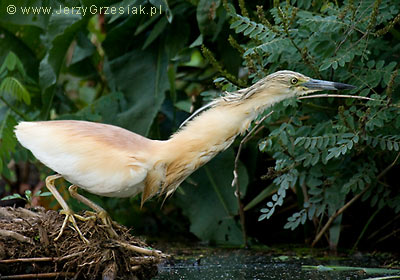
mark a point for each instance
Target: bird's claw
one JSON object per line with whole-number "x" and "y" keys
{"x": 70, "y": 217}
{"x": 108, "y": 222}
{"x": 105, "y": 219}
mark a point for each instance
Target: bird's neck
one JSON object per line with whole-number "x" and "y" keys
{"x": 217, "y": 127}
{"x": 204, "y": 137}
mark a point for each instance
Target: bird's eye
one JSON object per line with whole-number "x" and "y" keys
{"x": 293, "y": 81}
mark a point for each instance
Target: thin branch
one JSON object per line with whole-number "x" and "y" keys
{"x": 380, "y": 175}
{"x": 341, "y": 210}
{"x": 339, "y": 95}
{"x": 143, "y": 260}
{"x": 15, "y": 110}
{"x": 334, "y": 216}
{"x": 41, "y": 259}
{"x": 39, "y": 275}
{"x": 16, "y": 236}
{"x": 235, "y": 181}
{"x": 371, "y": 236}
{"x": 140, "y": 250}
{"x": 395, "y": 232}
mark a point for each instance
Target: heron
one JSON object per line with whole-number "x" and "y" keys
{"x": 110, "y": 161}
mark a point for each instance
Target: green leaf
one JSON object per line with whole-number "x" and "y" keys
{"x": 268, "y": 191}
{"x": 325, "y": 65}
{"x": 299, "y": 141}
{"x": 197, "y": 42}
{"x": 315, "y": 159}
{"x": 8, "y": 141}
{"x": 212, "y": 213}
{"x": 155, "y": 32}
{"x": 242, "y": 27}
{"x": 10, "y": 62}
{"x": 14, "y": 87}
{"x": 142, "y": 77}
{"x": 83, "y": 49}
{"x": 307, "y": 143}
{"x": 61, "y": 31}
{"x": 235, "y": 24}
{"x": 284, "y": 138}
{"x": 45, "y": 194}
{"x": 13, "y": 196}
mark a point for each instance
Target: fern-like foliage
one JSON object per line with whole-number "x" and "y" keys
{"x": 9, "y": 83}
{"x": 7, "y": 139}
{"x": 12, "y": 86}
{"x": 13, "y": 94}
{"x": 329, "y": 148}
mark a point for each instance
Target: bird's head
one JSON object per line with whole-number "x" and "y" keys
{"x": 288, "y": 84}
{"x": 271, "y": 89}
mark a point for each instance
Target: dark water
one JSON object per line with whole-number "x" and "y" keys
{"x": 243, "y": 265}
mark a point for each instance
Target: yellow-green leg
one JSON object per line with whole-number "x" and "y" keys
{"x": 69, "y": 214}
{"x": 100, "y": 212}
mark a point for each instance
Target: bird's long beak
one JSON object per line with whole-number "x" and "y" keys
{"x": 315, "y": 85}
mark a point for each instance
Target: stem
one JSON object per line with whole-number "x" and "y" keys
{"x": 383, "y": 227}
{"x": 235, "y": 181}
{"x": 41, "y": 259}
{"x": 364, "y": 229}
{"x": 40, "y": 275}
{"x": 334, "y": 216}
{"x": 15, "y": 110}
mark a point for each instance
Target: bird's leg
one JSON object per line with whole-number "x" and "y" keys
{"x": 69, "y": 214}
{"x": 100, "y": 212}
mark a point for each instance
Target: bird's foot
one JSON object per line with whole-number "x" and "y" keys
{"x": 105, "y": 219}
{"x": 70, "y": 217}
{"x": 108, "y": 223}
{"x": 92, "y": 216}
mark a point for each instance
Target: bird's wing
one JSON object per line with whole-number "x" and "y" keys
{"x": 102, "y": 159}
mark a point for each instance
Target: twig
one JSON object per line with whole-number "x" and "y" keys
{"x": 143, "y": 260}
{"x": 334, "y": 216}
{"x": 395, "y": 232}
{"x": 383, "y": 227}
{"x": 338, "y": 95}
{"x": 380, "y": 175}
{"x": 39, "y": 275}
{"x": 135, "y": 267}
{"x": 235, "y": 181}
{"x": 16, "y": 111}
{"x": 16, "y": 236}
{"x": 41, "y": 259}
{"x": 140, "y": 250}
{"x": 302, "y": 118}
{"x": 341, "y": 210}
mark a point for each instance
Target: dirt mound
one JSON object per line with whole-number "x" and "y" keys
{"x": 28, "y": 249}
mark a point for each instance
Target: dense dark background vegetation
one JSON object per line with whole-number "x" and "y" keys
{"x": 324, "y": 167}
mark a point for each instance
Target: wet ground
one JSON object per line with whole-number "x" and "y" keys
{"x": 250, "y": 264}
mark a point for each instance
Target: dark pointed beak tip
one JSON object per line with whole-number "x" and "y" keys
{"x": 340, "y": 86}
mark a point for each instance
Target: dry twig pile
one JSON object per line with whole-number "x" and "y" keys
{"x": 28, "y": 249}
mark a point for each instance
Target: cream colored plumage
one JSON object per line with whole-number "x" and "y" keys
{"x": 111, "y": 161}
